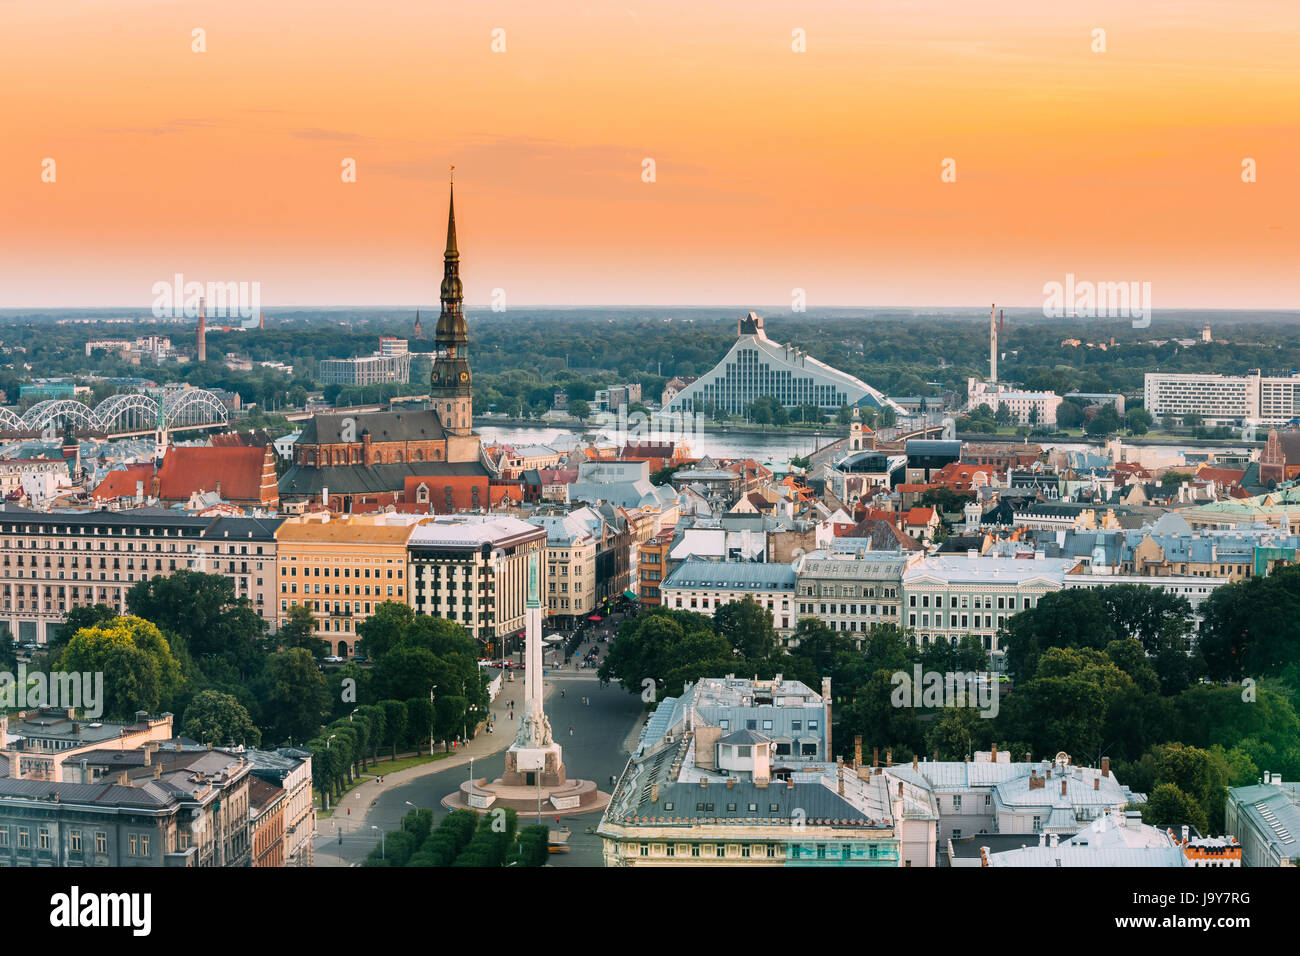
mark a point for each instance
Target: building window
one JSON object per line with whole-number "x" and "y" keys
{"x": 101, "y": 842}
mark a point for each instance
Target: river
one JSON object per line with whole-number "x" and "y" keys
{"x": 774, "y": 449}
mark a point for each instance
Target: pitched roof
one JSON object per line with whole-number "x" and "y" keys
{"x": 238, "y": 471}
{"x": 917, "y": 516}
{"x": 358, "y": 479}
{"x": 883, "y": 536}
{"x": 383, "y": 426}
{"x": 121, "y": 483}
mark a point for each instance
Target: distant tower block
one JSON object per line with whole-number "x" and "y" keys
{"x": 203, "y": 333}
{"x": 993, "y": 343}
{"x": 1205, "y": 333}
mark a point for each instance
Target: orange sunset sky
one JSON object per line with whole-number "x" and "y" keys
{"x": 774, "y": 169}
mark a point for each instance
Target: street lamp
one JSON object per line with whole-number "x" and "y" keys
{"x": 382, "y": 851}
{"x": 433, "y": 716}
{"x": 328, "y": 739}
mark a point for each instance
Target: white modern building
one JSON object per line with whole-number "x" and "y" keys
{"x": 368, "y": 370}
{"x": 757, "y": 366}
{"x": 1224, "y": 399}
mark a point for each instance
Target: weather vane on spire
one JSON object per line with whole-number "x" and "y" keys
{"x": 452, "y": 174}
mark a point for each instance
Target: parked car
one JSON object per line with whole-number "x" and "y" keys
{"x": 332, "y": 659}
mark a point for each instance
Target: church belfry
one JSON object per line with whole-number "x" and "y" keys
{"x": 451, "y": 392}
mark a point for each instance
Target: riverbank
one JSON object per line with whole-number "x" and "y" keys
{"x": 829, "y": 430}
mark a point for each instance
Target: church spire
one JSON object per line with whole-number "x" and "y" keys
{"x": 451, "y": 252}
{"x": 451, "y": 331}
{"x": 450, "y": 382}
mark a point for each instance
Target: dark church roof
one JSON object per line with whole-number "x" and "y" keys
{"x": 383, "y": 426}
{"x": 305, "y": 480}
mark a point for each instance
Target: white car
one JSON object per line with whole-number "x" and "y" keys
{"x": 333, "y": 660}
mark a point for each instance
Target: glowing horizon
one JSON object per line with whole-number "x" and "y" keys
{"x": 775, "y": 170}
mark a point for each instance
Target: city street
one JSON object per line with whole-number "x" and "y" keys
{"x": 594, "y": 751}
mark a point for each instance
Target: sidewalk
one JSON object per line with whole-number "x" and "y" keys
{"x": 361, "y": 798}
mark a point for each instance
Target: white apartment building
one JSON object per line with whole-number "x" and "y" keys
{"x": 1026, "y": 408}
{"x": 851, "y": 591}
{"x": 704, "y": 586}
{"x": 948, "y": 596}
{"x": 1224, "y": 399}
{"x": 368, "y": 370}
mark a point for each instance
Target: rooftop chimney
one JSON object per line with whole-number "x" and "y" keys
{"x": 994, "y": 752}
{"x": 1105, "y": 766}
{"x": 1063, "y": 786}
{"x": 654, "y": 793}
{"x": 900, "y": 789}
{"x": 875, "y": 756}
{"x": 889, "y": 757}
{"x": 1096, "y": 783}
{"x": 857, "y": 750}
{"x": 731, "y": 783}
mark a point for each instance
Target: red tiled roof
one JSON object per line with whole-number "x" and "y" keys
{"x": 462, "y": 492}
{"x": 121, "y": 483}
{"x": 917, "y": 516}
{"x": 557, "y": 476}
{"x": 238, "y": 471}
{"x": 1222, "y": 476}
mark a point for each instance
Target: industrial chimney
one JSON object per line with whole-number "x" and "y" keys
{"x": 203, "y": 338}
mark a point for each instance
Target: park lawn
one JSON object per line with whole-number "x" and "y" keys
{"x": 383, "y": 767}
{"x": 403, "y": 763}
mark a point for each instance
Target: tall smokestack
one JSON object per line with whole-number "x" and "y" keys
{"x": 993, "y": 343}
{"x": 261, "y": 321}
{"x": 203, "y": 335}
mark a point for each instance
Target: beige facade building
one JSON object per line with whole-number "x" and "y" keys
{"x": 343, "y": 569}
{"x": 39, "y": 744}
{"x": 570, "y": 587}
{"x": 51, "y": 563}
